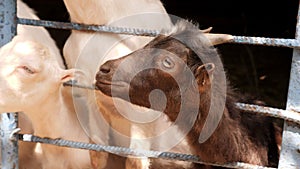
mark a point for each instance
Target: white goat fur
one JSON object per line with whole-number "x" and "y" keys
{"x": 31, "y": 77}
{"x": 87, "y": 51}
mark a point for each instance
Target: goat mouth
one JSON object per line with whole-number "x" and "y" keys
{"x": 102, "y": 83}
{"x": 112, "y": 88}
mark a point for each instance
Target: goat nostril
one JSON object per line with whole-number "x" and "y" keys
{"x": 105, "y": 69}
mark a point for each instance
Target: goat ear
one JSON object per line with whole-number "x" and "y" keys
{"x": 203, "y": 76}
{"x": 216, "y": 39}
{"x": 207, "y": 30}
{"x": 72, "y": 74}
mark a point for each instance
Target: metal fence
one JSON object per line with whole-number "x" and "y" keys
{"x": 290, "y": 151}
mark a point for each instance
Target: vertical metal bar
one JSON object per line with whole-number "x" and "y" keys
{"x": 290, "y": 151}
{"x": 9, "y": 146}
{"x": 8, "y": 123}
{"x": 8, "y": 21}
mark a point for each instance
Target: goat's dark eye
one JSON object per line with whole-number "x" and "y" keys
{"x": 168, "y": 63}
{"x": 28, "y": 70}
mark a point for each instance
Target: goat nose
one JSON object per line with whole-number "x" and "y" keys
{"x": 104, "y": 69}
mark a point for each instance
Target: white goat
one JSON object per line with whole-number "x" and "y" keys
{"x": 37, "y": 34}
{"x": 87, "y": 51}
{"x": 31, "y": 82}
{"x": 31, "y": 77}
{"x": 148, "y": 14}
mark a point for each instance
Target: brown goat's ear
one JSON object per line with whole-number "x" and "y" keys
{"x": 203, "y": 75}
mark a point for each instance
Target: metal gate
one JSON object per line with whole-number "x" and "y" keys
{"x": 290, "y": 152}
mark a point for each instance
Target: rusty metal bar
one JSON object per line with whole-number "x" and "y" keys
{"x": 83, "y": 27}
{"x": 134, "y": 152}
{"x": 272, "y": 112}
{"x": 279, "y": 42}
{"x": 8, "y": 123}
{"x": 9, "y": 143}
{"x": 291, "y": 116}
{"x": 7, "y": 21}
{"x": 72, "y": 83}
{"x": 290, "y": 151}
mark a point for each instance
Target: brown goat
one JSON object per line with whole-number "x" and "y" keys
{"x": 163, "y": 65}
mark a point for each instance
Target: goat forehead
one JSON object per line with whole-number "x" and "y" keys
{"x": 164, "y": 41}
{"x": 24, "y": 48}
{"x": 34, "y": 54}
{"x": 170, "y": 44}
{"x": 30, "y": 49}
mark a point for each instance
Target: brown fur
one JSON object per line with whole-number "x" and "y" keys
{"x": 239, "y": 137}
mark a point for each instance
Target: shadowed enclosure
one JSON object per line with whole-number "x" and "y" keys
{"x": 262, "y": 72}
{"x": 258, "y": 72}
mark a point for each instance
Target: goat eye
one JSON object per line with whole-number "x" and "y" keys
{"x": 168, "y": 63}
{"x": 28, "y": 70}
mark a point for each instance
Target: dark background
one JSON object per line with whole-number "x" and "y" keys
{"x": 260, "y": 71}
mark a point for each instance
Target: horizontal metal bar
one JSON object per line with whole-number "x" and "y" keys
{"x": 267, "y": 111}
{"x": 83, "y": 27}
{"x": 132, "y": 152}
{"x": 278, "y": 42}
{"x": 272, "y": 112}
{"x": 73, "y": 83}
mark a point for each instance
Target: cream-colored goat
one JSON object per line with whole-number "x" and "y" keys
{"x": 88, "y": 50}
{"x": 31, "y": 77}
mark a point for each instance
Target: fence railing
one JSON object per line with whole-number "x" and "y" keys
{"x": 8, "y": 123}
{"x": 290, "y": 152}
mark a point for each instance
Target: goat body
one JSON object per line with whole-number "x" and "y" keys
{"x": 32, "y": 74}
{"x": 200, "y": 100}
{"x": 87, "y": 51}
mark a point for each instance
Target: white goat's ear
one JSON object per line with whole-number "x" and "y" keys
{"x": 72, "y": 74}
